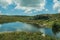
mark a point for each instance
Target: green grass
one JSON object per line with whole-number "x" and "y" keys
{"x": 24, "y": 36}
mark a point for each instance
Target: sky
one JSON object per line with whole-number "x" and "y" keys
{"x": 29, "y": 7}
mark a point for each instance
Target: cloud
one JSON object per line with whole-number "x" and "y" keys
{"x": 5, "y": 3}
{"x": 31, "y": 3}
{"x": 56, "y": 5}
{"x": 59, "y": 11}
{"x": 27, "y": 5}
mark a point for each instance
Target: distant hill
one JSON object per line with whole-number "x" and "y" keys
{"x": 47, "y": 17}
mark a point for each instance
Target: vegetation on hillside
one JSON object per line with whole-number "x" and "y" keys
{"x": 46, "y": 19}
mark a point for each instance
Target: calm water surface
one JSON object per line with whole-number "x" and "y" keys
{"x": 19, "y": 26}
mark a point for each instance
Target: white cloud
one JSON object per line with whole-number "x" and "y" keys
{"x": 5, "y": 3}
{"x": 54, "y": 0}
{"x": 26, "y": 5}
{"x": 9, "y": 1}
{"x": 29, "y": 8}
{"x": 28, "y": 11}
{"x": 56, "y": 5}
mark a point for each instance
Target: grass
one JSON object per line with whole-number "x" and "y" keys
{"x": 24, "y": 36}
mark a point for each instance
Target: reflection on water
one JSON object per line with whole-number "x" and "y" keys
{"x": 58, "y": 35}
{"x": 46, "y": 31}
{"x": 19, "y": 26}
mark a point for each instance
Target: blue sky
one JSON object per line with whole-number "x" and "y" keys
{"x": 29, "y": 7}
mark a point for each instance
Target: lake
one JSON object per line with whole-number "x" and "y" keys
{"x": 19, "y": 26}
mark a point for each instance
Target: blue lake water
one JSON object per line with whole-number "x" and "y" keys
{"x": 19, "y": 26}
